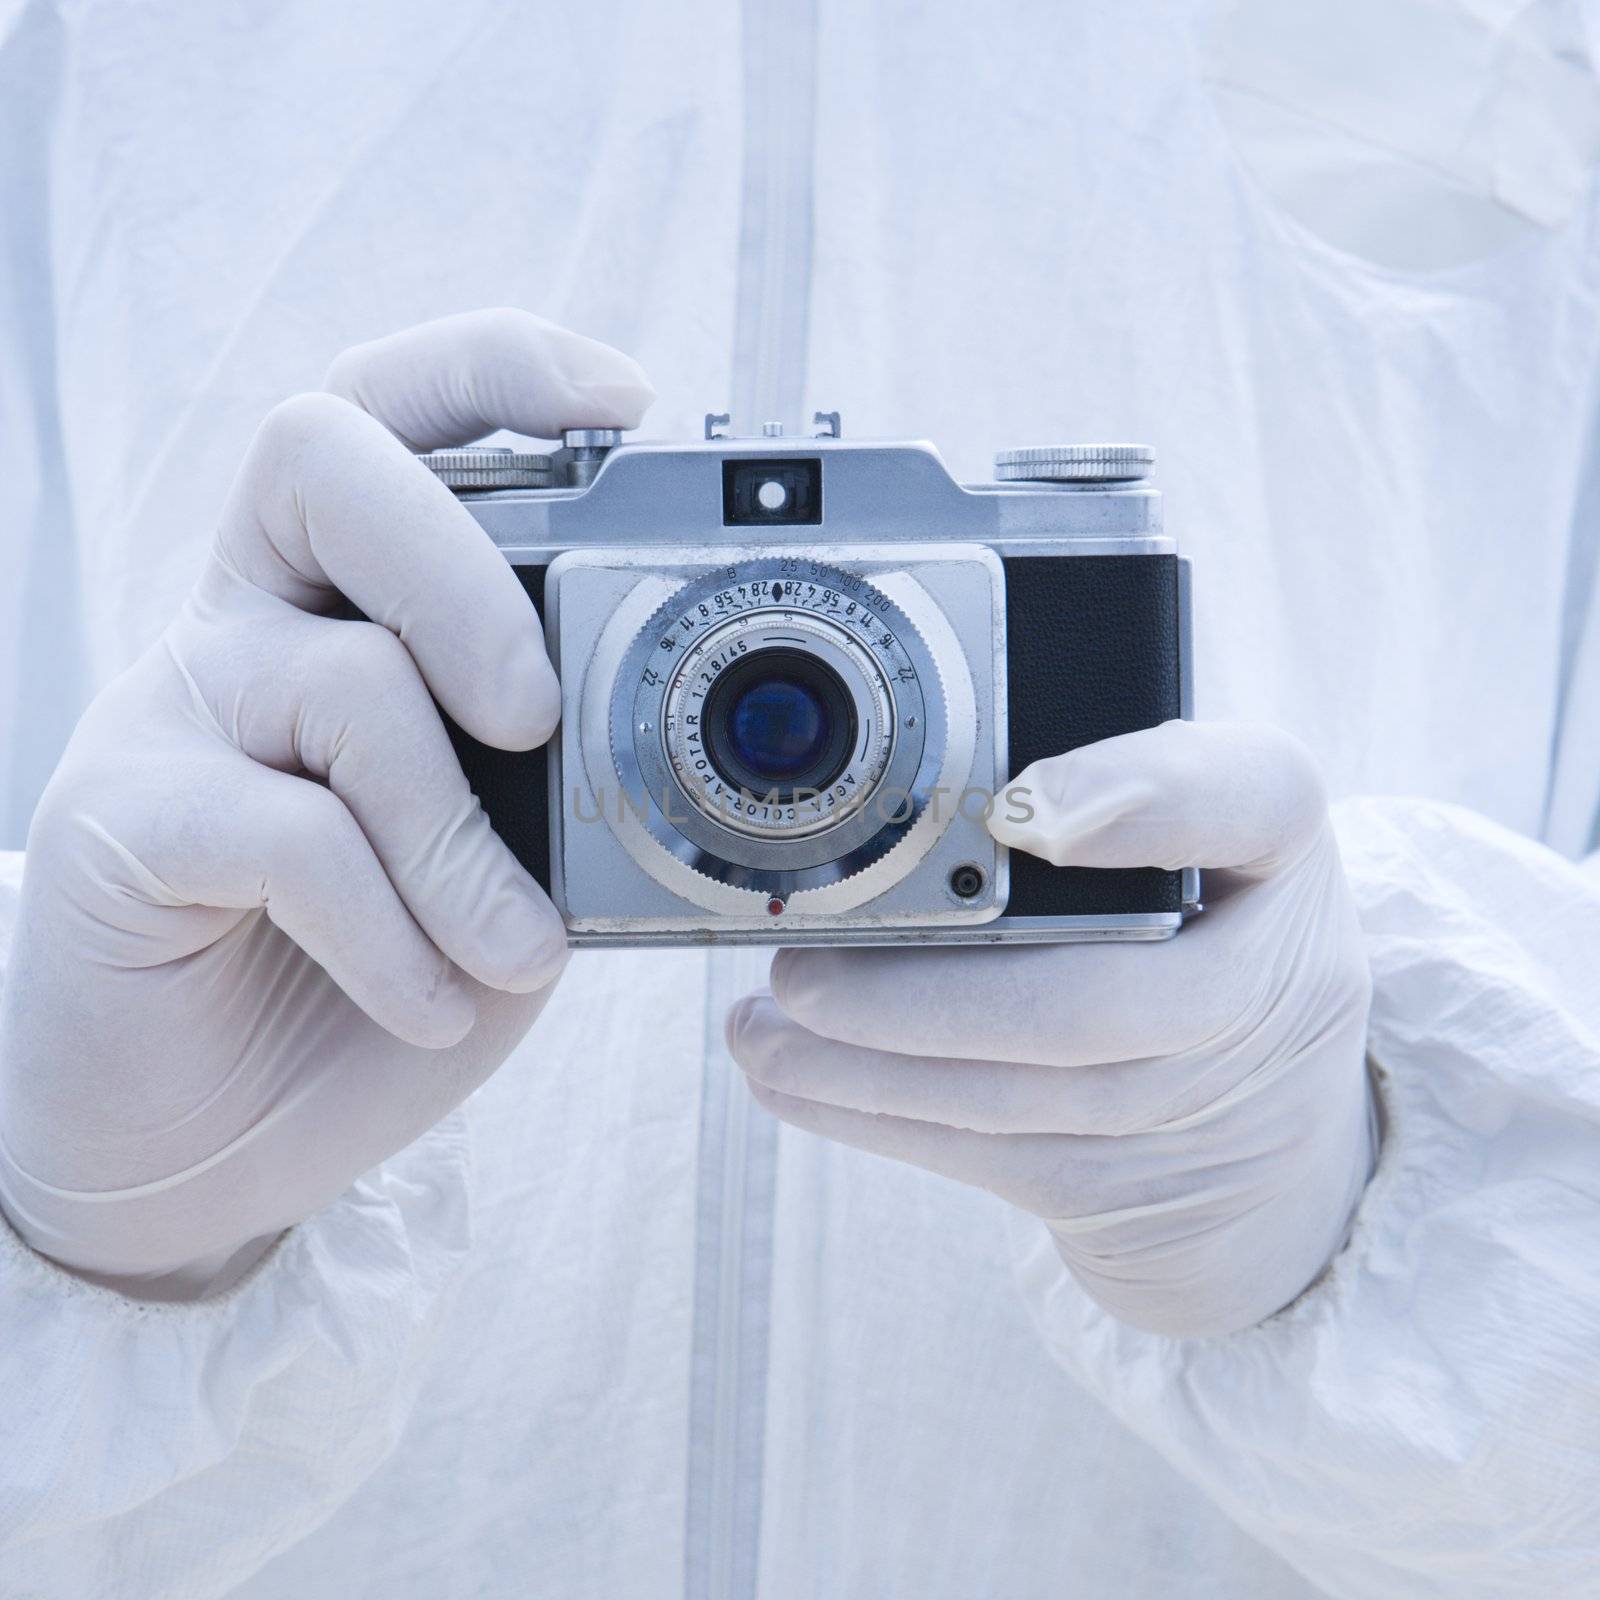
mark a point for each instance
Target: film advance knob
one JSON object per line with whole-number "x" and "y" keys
{"x": 478, "y": 467}
{"x": 1075, "y": 463}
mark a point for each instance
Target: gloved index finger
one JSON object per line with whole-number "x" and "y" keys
{"x": 328, "y": 500}
{"x": 1046, "y": 1005}
{"x": 1184, "y": 794}
{"x": 456, "y": 379}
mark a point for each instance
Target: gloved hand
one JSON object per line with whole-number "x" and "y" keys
{"x": 267, "y": 937}
{"x": 1192, "y": 1119}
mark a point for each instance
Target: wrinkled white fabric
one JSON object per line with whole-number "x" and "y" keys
{"x": 1461, "y": 1324}
{"x": 305, "y": 1370}
{"x": 1379, "y": 473}
{"x": 267, "y": 936}
{"x": 1412, "y": 133}
{"x": 1191, "y": 1121}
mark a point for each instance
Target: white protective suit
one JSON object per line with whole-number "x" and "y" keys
{"x": 608, "y": 1330}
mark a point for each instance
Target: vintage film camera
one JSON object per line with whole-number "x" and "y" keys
{"x": 796, "y": 672}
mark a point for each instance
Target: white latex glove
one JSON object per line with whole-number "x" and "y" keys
{"x": 1192, "y": 1118}
{"x": 267, "y": 936}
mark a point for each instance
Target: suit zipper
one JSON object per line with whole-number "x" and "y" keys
{"x": 738, "y": 1142}
{"x": 733, "y": 1272}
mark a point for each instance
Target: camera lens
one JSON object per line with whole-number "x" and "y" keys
{"x": 778, "y": 723}
{"x": 778, "y": 727}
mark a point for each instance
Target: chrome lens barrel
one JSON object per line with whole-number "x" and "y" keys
{"x": 802, "y": 624}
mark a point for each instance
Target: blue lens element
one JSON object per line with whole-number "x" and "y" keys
{"x": 778, "y": 728}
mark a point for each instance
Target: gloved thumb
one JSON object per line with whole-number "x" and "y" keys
{"x": 1184, "y": 794}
